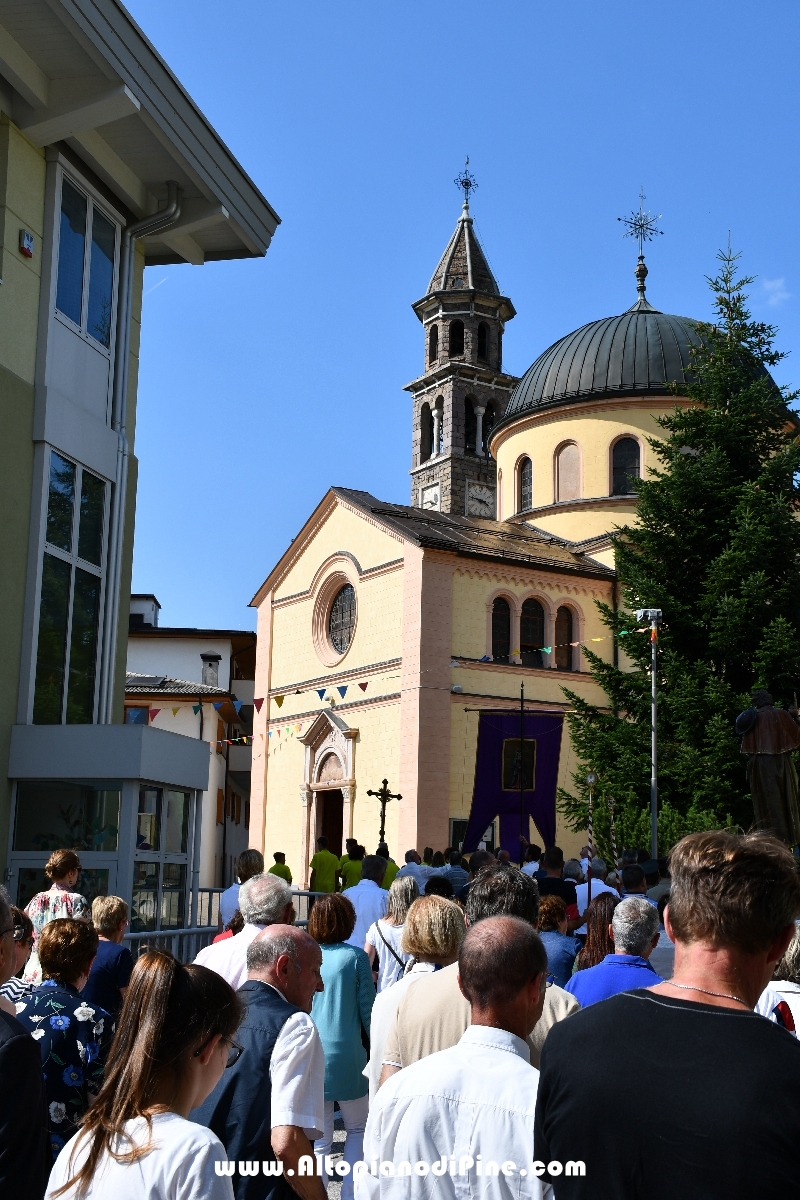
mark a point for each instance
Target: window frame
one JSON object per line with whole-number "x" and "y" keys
{"x": 93, "y": 201}
{"x": 75, "y": 562}
{"x": 521, "y": 506}
{"x": 627, "y": 436}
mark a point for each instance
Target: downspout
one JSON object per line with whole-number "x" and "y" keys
{"x": 198, "y": 822}
{"x": 119, "y": 415}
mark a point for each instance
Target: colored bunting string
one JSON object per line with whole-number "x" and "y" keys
{"x": 321, "y": 692}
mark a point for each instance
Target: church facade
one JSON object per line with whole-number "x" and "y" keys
{"x": 386, "y": 631}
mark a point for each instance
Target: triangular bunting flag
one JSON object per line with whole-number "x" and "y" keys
{"x": 237, "y": 704}
{"x": 269, "y": 732}
{"x": 175, "y": 711}
{"x": 547, "y": 649}
{"x": 342, "y": 691}
{"x": 321, "y": 693}
{"x": 153, "y": 713}
{"x": 196, "y": 708}
{"x": 278, "y": 700}
{"x": 219, "y": 703}
{"x": 364, "y": 686}
{"x": 258, "y": 702}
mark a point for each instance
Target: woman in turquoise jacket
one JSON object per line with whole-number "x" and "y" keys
{"x": 342, "y": 1015}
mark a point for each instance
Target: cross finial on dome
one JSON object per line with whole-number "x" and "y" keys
{"x": 642, "y": 226}
{"x": 466, "y": 182}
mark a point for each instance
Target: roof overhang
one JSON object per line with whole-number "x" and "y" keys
{"x": 82, "y": 74}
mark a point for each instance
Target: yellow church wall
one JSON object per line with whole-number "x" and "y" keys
{"x": 343, "y": 530}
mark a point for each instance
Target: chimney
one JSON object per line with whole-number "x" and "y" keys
{"x": 211, "y": 669}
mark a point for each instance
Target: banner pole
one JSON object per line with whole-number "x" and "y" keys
{"x": 522, "y": 831}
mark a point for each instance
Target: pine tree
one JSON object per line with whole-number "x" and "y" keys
{"x": 716, "y": 546}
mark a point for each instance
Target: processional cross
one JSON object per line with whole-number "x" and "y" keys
{"x": 384, "y": 795}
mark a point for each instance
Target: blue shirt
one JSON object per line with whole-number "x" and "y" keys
{"x": 111, "y": 970}
{"x": 616, "y": 973}
{"x": 561, "y": 951}
{"x": 339, "y": 1013}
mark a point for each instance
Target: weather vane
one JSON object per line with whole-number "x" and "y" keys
{"x": 466, "y": 182}
{"x": 641, "y": 225}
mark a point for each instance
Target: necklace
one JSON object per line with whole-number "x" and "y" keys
{"x": 690, "y": 987}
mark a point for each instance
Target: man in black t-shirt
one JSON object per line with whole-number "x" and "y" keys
{"x": 725, "y": 1119}
{"x": 553, "y": 885}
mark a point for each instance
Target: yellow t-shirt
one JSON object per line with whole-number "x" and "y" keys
{"x": 350, "y": 871}
{"x": 391, "y": 870}
{"x": 282, "y": 870}
{"x": 325, "y": 865}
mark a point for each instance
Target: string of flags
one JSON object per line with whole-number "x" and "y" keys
{"x": 560, "y": 645}
{"x": 321, "y": 692}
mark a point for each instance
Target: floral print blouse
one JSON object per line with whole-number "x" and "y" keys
{"x": 73, "y": 1039}
{"x": 51, "y": 906}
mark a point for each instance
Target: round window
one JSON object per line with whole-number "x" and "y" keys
{"x": 343, "y": 618}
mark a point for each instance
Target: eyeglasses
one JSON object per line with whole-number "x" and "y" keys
{"x": 19, "y": 933}
{"x": 234, "y": 1053}
{"x": 3, "y": 932}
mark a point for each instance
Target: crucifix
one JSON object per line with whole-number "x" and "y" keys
{"x": 384, "y": 795}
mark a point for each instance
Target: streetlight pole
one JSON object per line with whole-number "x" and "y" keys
{"x": 653, "y": 615}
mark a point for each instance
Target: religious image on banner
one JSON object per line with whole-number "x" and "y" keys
{"x": 511, "y": 765}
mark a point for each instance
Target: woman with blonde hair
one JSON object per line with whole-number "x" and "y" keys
{"x": 432, "y": 936}
{"x": 63, "y": 868}
{"x": 174, "y": 1040}
{"x": 385, "y": 935}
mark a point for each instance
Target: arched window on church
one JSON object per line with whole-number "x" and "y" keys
{"x": 456, "y": 341}
{"x": 433, "y": 344}
{"x": 531, "y": 634}
{"x": 568, "y": 472}
{"x": 342, "y": 619}
{"x": 425, "y": 432}
{"x": 501, "y": 630}
{"x": 483, "y": 341}
{"x": 499, "y": 349}
{"x": 625, "y": 467}
{"x": 489, "y": 418}
{"x": 563, "y": 636}
{"x": 470, "y": 426}
{"x": 525, "y": 498}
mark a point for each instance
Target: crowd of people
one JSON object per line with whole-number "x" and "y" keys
{"x": 492, "y": 1038}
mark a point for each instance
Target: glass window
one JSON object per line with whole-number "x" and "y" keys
{"x": 177, "y": 824}
{"x": 343, "y": 618}
{"x": 83, "y": 648}
{"x": 173, "y": 896}
{"x": 525, "y": 485}
{"x": 148, "y": 825}
{"x": 71, "y": 252}
{"x": 501, "y": 630}
{"x": 53, "y": 814}
{"x": 531, "y": 634}
{"x": 563, "y": 649}
{"x": 52, "y": 646}
{"x": 92, "y": 881}
{"x": 90, "y": 530}
{"x": 136, "y": 716}
{"x": 144, "y": 898}
{"x": 60, "y": 502}
{"x": 625, "y": 467}
{"x": 101, "y": 278}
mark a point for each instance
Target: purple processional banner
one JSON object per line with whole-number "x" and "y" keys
{"x": 497, "y": 777}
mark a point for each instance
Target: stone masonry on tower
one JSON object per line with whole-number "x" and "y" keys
{"x": 463, "y": 391}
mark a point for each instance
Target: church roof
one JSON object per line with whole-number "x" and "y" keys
{"x": 474, "y": 537}
{"x": 641, "y": 352}
{"x": 463, "y": 266}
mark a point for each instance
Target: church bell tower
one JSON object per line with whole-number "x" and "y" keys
{"x": 463, "y": 390}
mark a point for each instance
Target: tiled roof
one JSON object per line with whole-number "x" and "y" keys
{"x": 463, "y": 266}
{"x": 137, "y": 684}
{"x": 477, "y": 538}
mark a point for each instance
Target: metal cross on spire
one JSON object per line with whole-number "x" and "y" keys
{"x": 466, "y": 182}
{"x": 641, "y": 225}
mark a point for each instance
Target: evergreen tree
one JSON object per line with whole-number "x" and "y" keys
{"x": 716, "y": 546}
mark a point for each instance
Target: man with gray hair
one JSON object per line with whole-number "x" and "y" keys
{"x": 24, "y": 1142}
{"x": 634, "y": 932}
{"x": 269, "y": 1105}
{"x": 263, "y": 900}
{"x": 368, "y": 898}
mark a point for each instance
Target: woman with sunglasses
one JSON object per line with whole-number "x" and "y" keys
{"x": 173, "y": 1043}
{"x": 15, "y": 990}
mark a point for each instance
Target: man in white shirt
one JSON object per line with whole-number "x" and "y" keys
{"x": 466, "y": 1113}
{"x": 368, "y": 898}
{"x": 269, "y": 1105}
{"x": 598, "y": 871}
{"x": 264, "y": 900}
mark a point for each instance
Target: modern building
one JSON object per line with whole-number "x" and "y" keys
{"x": 199, "y": 683}
{"x": 393, "y": 641}
{"x": 106, "y": 166}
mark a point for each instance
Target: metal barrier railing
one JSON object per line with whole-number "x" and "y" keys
{"x": 185, "y": 944}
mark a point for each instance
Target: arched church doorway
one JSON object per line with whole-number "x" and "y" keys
{"x": 330, "y": 819}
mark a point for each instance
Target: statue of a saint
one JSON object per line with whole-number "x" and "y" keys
{"x": 769, "y": 735}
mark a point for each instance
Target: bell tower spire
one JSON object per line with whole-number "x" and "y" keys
{"x": 463, "y": 390}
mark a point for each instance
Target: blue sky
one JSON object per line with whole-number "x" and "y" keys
{"x": 263, "y": 382}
